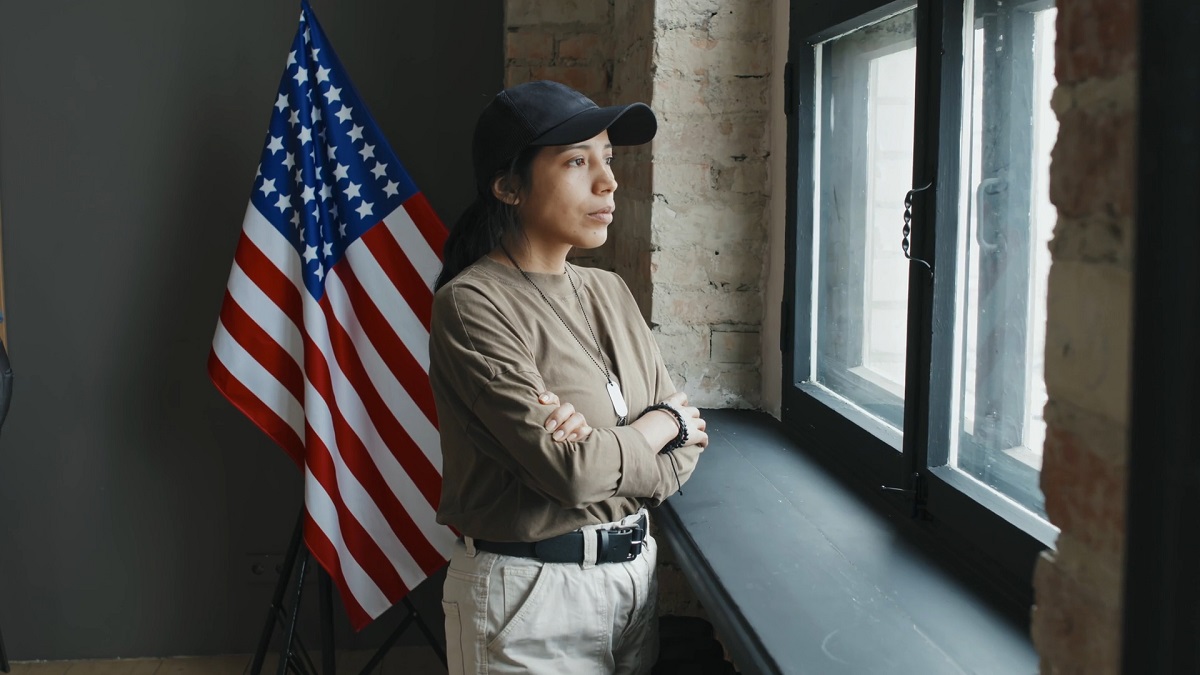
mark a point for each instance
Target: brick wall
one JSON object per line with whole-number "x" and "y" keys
{"x": 1077, "y": 617}
{"x": 569, "y": 41}
{"x": 690, "y": 233}
{"x": 711, "y": 194}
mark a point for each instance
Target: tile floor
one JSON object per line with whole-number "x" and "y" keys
{"x": 399, "y": 661}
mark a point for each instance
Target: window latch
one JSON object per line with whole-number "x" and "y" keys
{"x": 916, "y": 494}
{"x": 908, "y": 202}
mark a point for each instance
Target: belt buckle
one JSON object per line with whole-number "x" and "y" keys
{"x": 637, "y": 536}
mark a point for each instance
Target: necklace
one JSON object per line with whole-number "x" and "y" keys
{"x": 614, "y": 390}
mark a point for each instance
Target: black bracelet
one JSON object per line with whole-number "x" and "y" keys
{"x": 681, "y": 438}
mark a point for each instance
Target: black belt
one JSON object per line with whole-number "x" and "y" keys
{"x": 616, "y": 545}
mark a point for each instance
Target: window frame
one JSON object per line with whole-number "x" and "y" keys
{"x": 985, "y": 530}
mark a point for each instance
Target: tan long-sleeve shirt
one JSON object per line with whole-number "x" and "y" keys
{"x": 494, "y": 346}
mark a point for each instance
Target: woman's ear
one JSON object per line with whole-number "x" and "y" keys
{"x": 504, "y": 191}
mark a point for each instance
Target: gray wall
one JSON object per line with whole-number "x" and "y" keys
{"x": 131, "y": 493}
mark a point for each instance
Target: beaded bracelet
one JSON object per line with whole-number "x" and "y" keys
{"x": 682, "y": 437}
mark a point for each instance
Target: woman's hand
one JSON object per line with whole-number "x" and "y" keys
{"x": 565, "y": 424}
{"x": 697, "y": 434}
{"x": 660, "y": 427}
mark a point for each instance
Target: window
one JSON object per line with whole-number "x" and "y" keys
{"x": 915, "y": 339}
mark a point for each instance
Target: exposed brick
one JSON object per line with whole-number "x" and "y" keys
{"x": 1099, "y": 238}
{"x": 1085, "y": 495}
{"x": 678, "y": 93}
{"x": 745, "y": 18}
{"x": 1096, "y": 38}
{"x": 693, "y": 52}
{"x": 718, "y": 222}
{"x": 1073, "y": 631}
{"x": 591, "y": 80}
{"x": 1088, "y": 337}
{"x": 707, "y": 305}
{"x": 514, "y": 75}
{"x": 694, "y": 137}
{"x": 1105, "y": 438}
{"x": 543, "y": 12}
{"x": 584, "y": 47}
{"x": 729, "y": 346}
{"x": 528, "y": 46}
{"x": 1093, "y": 163}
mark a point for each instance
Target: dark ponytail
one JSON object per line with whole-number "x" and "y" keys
{"x": 485, "y": 224}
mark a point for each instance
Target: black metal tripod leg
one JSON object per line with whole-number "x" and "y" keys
{"x": 325, "y": 588}
{"x": 285, "y": 654}
{"x": 429, "y": 636}
{"x": 285, "y": 573}
{"x": 413, "y": 615}
{"x": 377, "y": 657}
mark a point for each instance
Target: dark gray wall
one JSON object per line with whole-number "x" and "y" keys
{"x": 130, "y": 491}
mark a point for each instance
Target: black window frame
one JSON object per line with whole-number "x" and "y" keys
{"x": 997, "y": 539}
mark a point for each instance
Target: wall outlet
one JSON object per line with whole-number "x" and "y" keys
{"x": 262, "y": 569}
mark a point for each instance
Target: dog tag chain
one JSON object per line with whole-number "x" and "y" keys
{"x": 614, "y": 390}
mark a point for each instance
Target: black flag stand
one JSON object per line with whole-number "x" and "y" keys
{"x": 293, "y": 657}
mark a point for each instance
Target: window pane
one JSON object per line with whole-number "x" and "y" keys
{"x": 865, "y": 89}
{"x": 1002, "y": 304}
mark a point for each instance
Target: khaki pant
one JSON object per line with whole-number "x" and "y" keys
{"x": 517, "y": 615}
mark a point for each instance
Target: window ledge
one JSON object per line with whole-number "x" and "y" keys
{"x": 800, "y": 574}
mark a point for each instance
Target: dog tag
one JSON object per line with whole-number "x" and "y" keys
{"x": 618, "y": 401}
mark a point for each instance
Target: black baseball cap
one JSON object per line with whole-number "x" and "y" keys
{"x": 549, "y": 113}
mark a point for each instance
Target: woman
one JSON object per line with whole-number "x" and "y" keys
{"x": 555, "y": 571}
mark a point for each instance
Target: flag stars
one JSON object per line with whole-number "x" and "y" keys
{"x": 310, "y": 253}
{"x": 342, "y": 230}
{"x": 364, "y": 209}
{"x": 328, "y": 249}
{"x": 333, "y": 95}
{"x": 316, "y": 115}
{"x": 352, "y": 190}
{"x": 367, "y": 152}
{"x": 301, "y": 75}
{"x": 291, "y": 59}
{"x": 281, "y": 102}
{"x": 309, "y": 194}
{"x": 305, "y": 135}
{"x": 344, "y": 113}
{"x": 322, "y": 74}
{"x": 392, "y": 188}
{"x": 326, "y": 191}
{"x": 289, "y": 161}
{"x": 296, "y": 219}
{"x": 320, "y": 272}
{"x": 282, "y": 203}
{"x": 356, "y": 133}
{"x": 341, "y": 172}
{"x": 294, "y": 118}
{"x": 380, "y": 169}
{"x": 276, "y": 144}
{"x": 268, "y": 187}
{"x": 331, "y": 152}
{"x": 314, "y": 51}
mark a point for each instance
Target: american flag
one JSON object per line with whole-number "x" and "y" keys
{"x": 323, "y": 334}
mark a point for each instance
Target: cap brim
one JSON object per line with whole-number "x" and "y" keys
{"x": 631, "y": 124}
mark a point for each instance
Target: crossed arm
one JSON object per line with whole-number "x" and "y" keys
{"x": 567, "y": 424}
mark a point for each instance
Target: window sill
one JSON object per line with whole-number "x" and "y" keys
{"x": 800, "y": 574}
